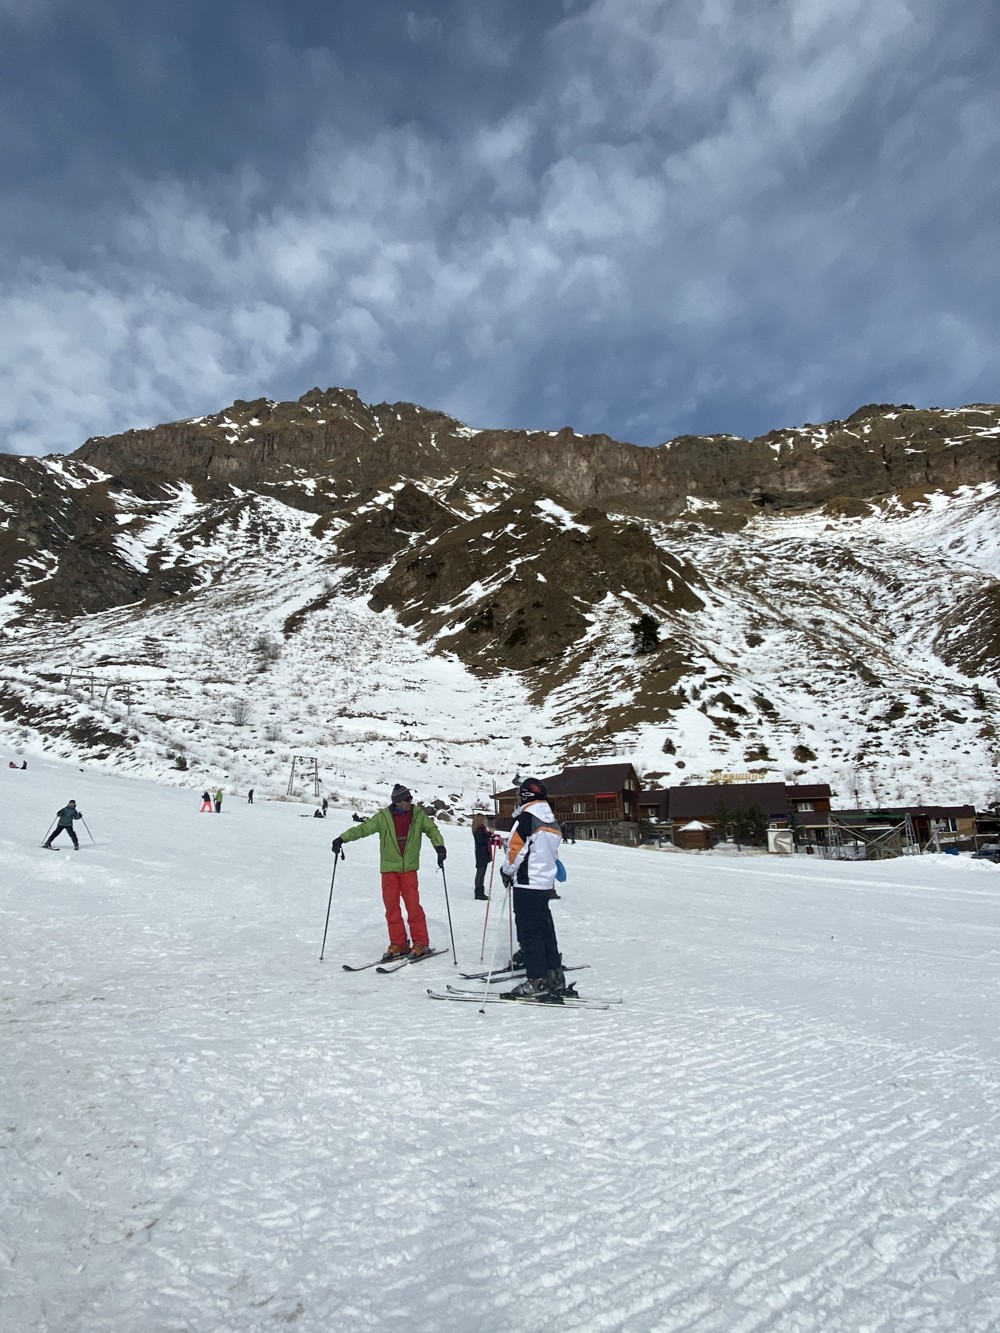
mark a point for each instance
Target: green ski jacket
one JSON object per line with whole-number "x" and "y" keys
{"x": 382, "y": 824}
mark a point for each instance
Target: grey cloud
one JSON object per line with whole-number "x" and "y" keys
{"x": 421, "y": 29}
{"x": 780, "y": 214}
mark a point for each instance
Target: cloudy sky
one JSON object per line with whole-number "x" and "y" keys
{"x": 643, "y": 217}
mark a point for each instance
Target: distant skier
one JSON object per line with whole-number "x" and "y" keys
{"x": 400, "y": 827}
{"x": 529, "y": 870}
{"x": 218, "y": 800}
{"x": 65, "y": 816}
{"x": 250, "y": 796}
{"x": 483, "y": 849}
{"x": 206, "y": 803}
{"x": 326, "y": 806}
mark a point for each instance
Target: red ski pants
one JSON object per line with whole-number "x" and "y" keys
{"x": 402, "y": 884}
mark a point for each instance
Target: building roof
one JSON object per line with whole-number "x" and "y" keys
{"x": 812, "y": 791}
{"x": 583, "y": 779}
{"x": 655, "y": 798}
{"x": 704, "y": 801}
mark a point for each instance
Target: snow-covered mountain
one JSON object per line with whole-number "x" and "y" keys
{"x": 394, "y": 594}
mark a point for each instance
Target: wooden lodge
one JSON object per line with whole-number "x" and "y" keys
{"x": 698, "y": 816}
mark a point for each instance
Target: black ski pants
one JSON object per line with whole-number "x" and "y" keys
{"x": 63, "y": 828}
{"x": 536, "y": 932}
{"x": 481, "y": 868}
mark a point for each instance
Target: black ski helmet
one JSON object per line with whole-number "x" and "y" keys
{"x": 532, "y": 790}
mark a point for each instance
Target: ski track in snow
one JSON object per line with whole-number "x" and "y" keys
{"x": 790, "y": 1125}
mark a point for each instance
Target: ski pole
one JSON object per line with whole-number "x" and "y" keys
{"x": 329, "y": 901}
{"x": 493, "y": 861}
{"x": 489, "y": 903}
{"x": 486, "y": 920}
{"x": 444, "y": 881}
{"x": 494, "y": 844}
{"x": 508, "y": 904}
{"x": 87, "y": 827}
{"x": 46, "y": 838}
{"x": 510, "y": 918}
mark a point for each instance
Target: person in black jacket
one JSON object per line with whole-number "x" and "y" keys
{"x": 482, "y": 841}
{"x": 65, "y": 816}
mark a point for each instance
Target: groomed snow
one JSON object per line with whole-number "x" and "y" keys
{"x": 790, "y": 1124}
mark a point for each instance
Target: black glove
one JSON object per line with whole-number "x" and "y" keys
{"x": 337, "y": 846}
{"x": 441, "y": 854}
{"x": 507, "y": 878}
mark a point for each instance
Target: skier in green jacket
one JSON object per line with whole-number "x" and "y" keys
{"x": 400, "y": 826}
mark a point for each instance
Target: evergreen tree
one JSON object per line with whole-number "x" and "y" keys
{"x": 645, "y": 633}
{"x": 725, "y": 819}
{"x": 750, "y": 826}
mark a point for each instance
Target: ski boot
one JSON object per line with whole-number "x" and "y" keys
{"x": 534, "y": 988}
{"x": 557, "y": 982}
{"x": 395, "y": 951}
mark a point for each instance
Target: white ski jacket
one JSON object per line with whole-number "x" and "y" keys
{"x": 533, "y": 846}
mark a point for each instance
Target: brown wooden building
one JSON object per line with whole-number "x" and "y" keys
{"x": 695, "y": 816}
{"x": 593, "y": 800}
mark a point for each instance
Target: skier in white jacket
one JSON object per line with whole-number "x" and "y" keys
{"x": 529, "y": 870}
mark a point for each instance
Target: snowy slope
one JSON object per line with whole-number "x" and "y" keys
{"x": 788, "y": 1125}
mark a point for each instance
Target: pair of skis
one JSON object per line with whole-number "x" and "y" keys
{"x": 463, "y": 996}
{"x": 466, "y": 995}
{"x": 385, "y": 966}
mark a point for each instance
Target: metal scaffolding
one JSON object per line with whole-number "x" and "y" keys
{"x": 851, "y": 840}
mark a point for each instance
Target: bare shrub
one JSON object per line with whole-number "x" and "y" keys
{"x": 265, "y": 648}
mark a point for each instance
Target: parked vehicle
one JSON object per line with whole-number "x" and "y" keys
{"x": 991, "y": 852}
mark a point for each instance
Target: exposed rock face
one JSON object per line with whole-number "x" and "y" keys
{"x": 59, "y": 541}
{"x": 346, "y": 446}
{"x": 333, "y": 455}
{"x": 541, "y": 578}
